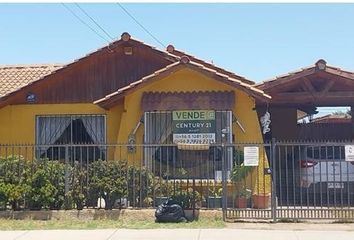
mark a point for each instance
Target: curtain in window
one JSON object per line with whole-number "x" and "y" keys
{"x": 158, "y": 130}
{"x": 95, "y": 127}
{"x": 49, "y": 129}
{"x": 159, "y": 127}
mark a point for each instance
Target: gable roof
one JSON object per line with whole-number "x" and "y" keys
{"x": 14, "y": 77}
{"x": 16, "y": 96}
{"x": 47, "y": 76}
{"x": 317, "y": 85}
{"x": 109, "y": 100}
{"x": 320, "y": 65}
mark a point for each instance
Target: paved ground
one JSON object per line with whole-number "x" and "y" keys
{"x": 249, "y": 231}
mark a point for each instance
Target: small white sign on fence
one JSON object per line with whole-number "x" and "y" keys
{"x": 349, "y": 153}
{"x": 251, "y": 156}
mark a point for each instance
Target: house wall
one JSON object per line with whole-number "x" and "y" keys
{"x": 188, "y": 80}
{"x": 17, "y": 122}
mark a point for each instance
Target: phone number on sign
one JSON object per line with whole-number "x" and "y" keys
{"x": 205, "y": 138}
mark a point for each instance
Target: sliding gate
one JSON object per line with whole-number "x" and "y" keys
{"x": 292, "y": 181}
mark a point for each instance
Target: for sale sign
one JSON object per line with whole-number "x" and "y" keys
{"x": 193, "y": 127}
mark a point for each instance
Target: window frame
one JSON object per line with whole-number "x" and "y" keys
{"x": 36, "y": 129}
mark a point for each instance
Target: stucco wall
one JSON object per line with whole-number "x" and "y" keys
{"x": 188, "y": 80}
{"x": 17, "y": 122}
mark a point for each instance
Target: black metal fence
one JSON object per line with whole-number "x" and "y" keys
{"x": 110, "y": 176}
{"x": 309, "y": 180}
{"x": 288, "y": 180}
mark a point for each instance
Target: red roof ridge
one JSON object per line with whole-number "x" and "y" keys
{"x": 284, "y": 75}
{"x": 340, "y": 69}
{"x": 118, "y": 40}
{"x": 179, "y": 53}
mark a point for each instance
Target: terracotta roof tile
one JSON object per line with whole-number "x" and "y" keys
{"x": 196, "y": 60}
{"x": 14, "y": 77}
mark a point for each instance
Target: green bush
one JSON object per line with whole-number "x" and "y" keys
{"x": 162, "y": 188}
{"x": 107, "y": 180}
{"x": 240, "y": 172}
{"x": 3, "y": 196}
{"x": 14, "y": 172}
{"x": 78, "y": 187}
{"x": 139, "y": 185}
{"x": 56, "y": 177}
{"x": 41, "y": 184}
{"x": 42, "y": 192}
{"x": 186, "y": 198}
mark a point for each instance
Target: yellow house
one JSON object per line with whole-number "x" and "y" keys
{"x": 129, "y": 93}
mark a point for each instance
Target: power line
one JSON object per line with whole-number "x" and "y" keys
{"x": 147, "y": 31}
{"x": 94, "y": 21}
{"x": 83, "y": 22}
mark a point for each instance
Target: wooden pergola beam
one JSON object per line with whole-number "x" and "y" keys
{"x": 291, "y": 96}
{"x": 326, "y": 88}
{"x": 308, "y": 85}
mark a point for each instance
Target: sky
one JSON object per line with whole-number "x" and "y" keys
{"x": 258, "y": 41}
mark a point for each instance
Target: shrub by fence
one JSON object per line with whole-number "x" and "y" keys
{"x": 52, "y": 184}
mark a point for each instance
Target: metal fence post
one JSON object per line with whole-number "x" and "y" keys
{"x": 66, "y": 187}
{"x": 272, "y": 166}
{"x": 224, "y": 182}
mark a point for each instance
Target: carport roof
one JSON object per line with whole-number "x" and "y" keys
{"x": 317, "y": 85}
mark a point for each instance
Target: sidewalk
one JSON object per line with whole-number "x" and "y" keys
{"x": 179, "y": 234}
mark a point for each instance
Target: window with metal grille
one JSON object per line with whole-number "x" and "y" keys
{"x": 83, "y": 135}
{"x": 166, "y": 159}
